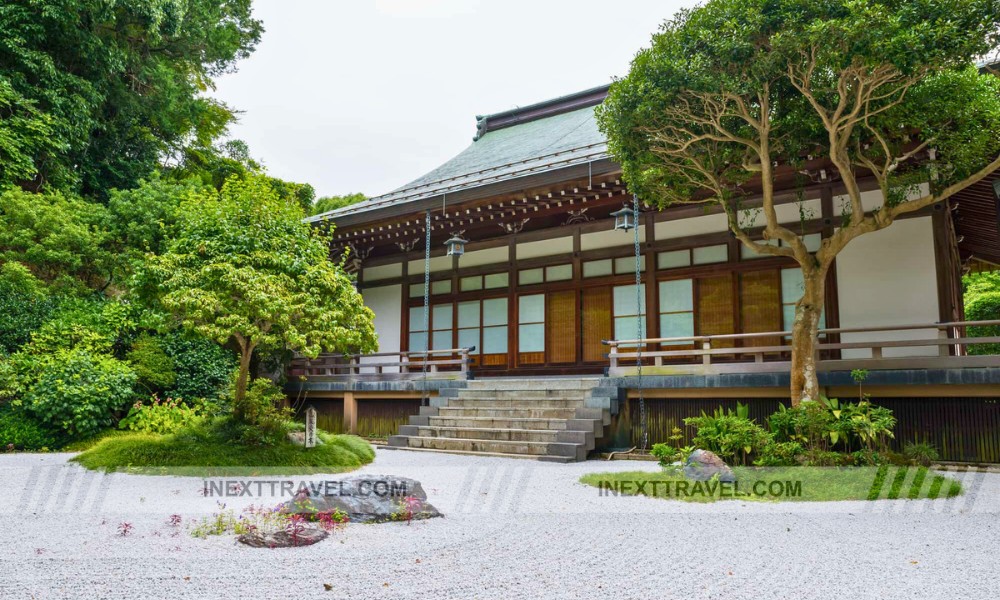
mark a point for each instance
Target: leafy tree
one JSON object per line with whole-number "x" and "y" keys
{"x": 244, "y": 269}
{"x": 735, "y": 94}
{"x": 102, "y": 91}
{"x": 328, "y": 203}
{"x": 982, "y": 303}
{"x": 24, "y": 303}
{"x": 59, "y": 237}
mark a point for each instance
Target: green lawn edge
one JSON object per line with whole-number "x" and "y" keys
{"x": 206, "y": 456}
{"x": 783, "y": 484}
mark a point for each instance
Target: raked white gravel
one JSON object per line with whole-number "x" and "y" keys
{"x": 513, "y": 529}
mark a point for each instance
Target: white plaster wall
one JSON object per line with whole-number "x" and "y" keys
{"x": 692, "y": 226}
{"x": 787, "y": 213}
{"x": 610, "y": 239}
{"x": 889, "y": 278}
{"x": 563, "y": 245}
{"x": 438, "y": 263}
{"x": 872, "y": 199}
{"x": 488, "y": 256}
{"x": 386, "y": 303}
{"x": 383, "y": 272}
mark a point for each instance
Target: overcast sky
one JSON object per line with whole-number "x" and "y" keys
{"x": 366, "y": 95}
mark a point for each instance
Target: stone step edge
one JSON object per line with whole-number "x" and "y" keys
{"x": 535, "y": 457}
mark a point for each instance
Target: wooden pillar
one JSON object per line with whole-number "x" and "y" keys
{"x": 652, "y": 291}
{"x": 578, "y": 283}
{"x": 350, "y": 412}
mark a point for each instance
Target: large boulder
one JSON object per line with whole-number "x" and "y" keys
{"x": 702, "y": 465}
{"x": 366, "y": 499}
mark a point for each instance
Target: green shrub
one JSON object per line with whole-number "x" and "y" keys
{"x": 92, "y": 324}
{"x": 24, "y": 304}
{"x": 828, "y": 425}
{"x": 730, "y": 434}
{"x": 202, "y": 367}
{"x": 920, "y": 453}
{"x": 167, "y": 416}
{"x": 266, "y": 420}
{"x": 19, "y": 431}
{"x": 665, "y": 452}
{"x": 984, "y": 306}
{"x": 152, "y": 365}
{"x": 779, "y": 454}
{"x": 78, "y": 392}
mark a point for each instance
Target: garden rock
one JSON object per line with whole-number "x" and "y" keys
{"x": 366, "y": 499}
{"x": 304, "y": 536}
{"x": 702, "y": 465}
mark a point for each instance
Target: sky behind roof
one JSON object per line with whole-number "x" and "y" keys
{"x": 367, "y": 95}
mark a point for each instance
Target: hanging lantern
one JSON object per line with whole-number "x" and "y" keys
{"x": 624, "y": 218}
{"x": 456, "y": 244}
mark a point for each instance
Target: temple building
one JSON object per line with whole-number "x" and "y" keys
{"x": 537, "y": 284}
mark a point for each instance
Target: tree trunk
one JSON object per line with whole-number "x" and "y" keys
{"x": 805, "y": 383}
{"x": 242, "y": 378}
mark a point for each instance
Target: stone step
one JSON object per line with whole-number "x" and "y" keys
{"x": 497, "y": 423}
{"x": 516, "y": 403}
{"x": 562, "y": 383}
{"x": 520, "y": 394}
{"x": 545, "y": 458}
{"x": 569, "y": 450}
{"x": 488, "y": 433}
{"x": 510, "y": 413}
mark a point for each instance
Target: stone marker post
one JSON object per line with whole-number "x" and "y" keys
{"x": 310, "y": 427}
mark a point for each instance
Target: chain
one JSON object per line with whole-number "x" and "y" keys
{"x": 425, "y": 395}
{"x": 644, "y": 440}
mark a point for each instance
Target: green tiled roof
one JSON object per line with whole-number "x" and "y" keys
{"x": 514, "y": 150}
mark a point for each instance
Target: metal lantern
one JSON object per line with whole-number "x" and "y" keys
{"x": 624, "y": 218}
{"x": 456, "y": 245}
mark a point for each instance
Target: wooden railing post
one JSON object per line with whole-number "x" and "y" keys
{"x": 613, "y": 354}
{"x": 706, "y": 359}
{"x": 944, "y": 333}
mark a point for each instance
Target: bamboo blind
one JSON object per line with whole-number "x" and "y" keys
{"x": 715, "y": 307}
{"x": 596, "y": 322}
{"x": 561, "y": 325}
{"x": 760, "y": 308}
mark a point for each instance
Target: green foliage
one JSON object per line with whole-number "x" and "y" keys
{"x": 203, "y": 368}
{"x": 982, "y": 303}
{"x": 58, "y": 237}
{"x": 156, "y": 416}
{"x": 825, "y": 425}
{"x": 92, "y": 324}
{"x": 779, "y": 454}
{"x": 729, "y": 434}
{"x": 102, "y": 91}
{"x": 265, "y": 419}
{"x": 245, "y": 269}
{"x": 155, "y": 369}
{"x": 25, "y": 134}
{"x": 724, "y": 56}
{"x": 209, "y": 444}
{"x": 20, "y": 430}
{"x": 24, "y": 304}
{"x": 330, "y": 203}
{"x": 920, "y": 453}
{"x": 78, "y": 392}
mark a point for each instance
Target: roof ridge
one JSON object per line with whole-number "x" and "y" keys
{"x": 540, "y": 110}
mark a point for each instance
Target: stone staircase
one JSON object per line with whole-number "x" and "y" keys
{"x": 546, "y": 419}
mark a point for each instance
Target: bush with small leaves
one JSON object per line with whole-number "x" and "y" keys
{"x": 78, "y": 392}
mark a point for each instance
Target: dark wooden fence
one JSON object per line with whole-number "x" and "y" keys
{"x": 962, "y": 429}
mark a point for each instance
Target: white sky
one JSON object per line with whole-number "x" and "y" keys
{"x": 366, "y": 95}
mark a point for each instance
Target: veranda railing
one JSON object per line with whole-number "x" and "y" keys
{"x": 450, "y": 363}
{"x": 737, "y": 352}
